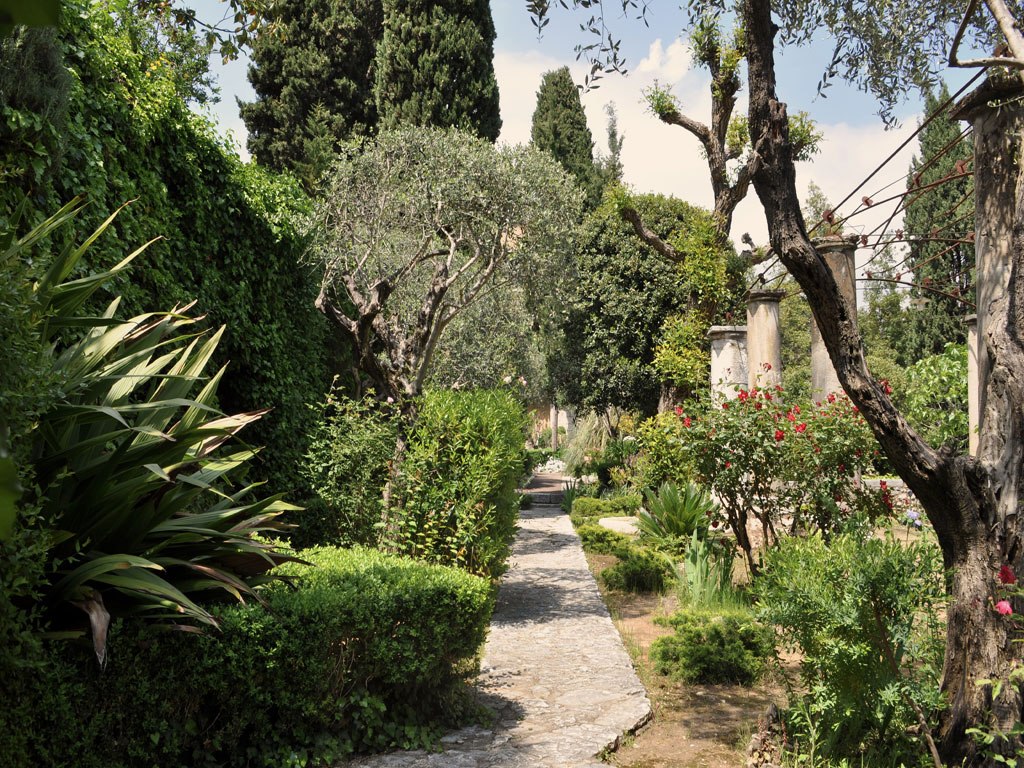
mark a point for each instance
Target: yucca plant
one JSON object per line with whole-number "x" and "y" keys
{"x": 134, "y": 465}
{"x": 671, "y": 517}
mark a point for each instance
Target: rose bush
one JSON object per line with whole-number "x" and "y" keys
{"x": 771, "y": 461}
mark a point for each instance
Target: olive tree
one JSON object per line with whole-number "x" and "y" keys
{"x": 971, "y": 501}
{"x": 415, "y": 227}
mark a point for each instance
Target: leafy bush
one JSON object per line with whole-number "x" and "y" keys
{"x": 864, "y": 613}
{"x": 574, "y": 489}
{"x": 368, "y": 652}
{"x": 713, "y": 647}
{"x": 640, "y": 570}
{"x": 763, "y": 458}
{"x": 673, "y": 518}
{"x": 664, "y": 457}
{"x": 586, "y": 510}
{"x": 456, "y": 497}
{"x": 347, "y": 466}
{"x": 604, "y": 541}
{"x": 936, "y": 403}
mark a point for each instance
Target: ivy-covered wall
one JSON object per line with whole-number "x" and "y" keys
{"x": 98, "y": 108}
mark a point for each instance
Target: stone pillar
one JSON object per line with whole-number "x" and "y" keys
{"x": 554, "y": 427}
{"x": 996, "y": 113}
{"x": 764, "y": 339}
{"x": 973, "y": 414}
{"x": 838, "y": 253}
{"x": 728, "y": 360}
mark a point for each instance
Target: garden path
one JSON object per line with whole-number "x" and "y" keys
{"x": 555, "y": 671}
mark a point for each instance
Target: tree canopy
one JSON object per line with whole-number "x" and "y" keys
{"x": 313, "y": 79}
{"x": 418, "y": 225}
{"x": 560, "y": 127}
{"x": 435, "y": 66}
{"x": 939, "y": 213}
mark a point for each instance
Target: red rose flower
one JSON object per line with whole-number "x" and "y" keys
{"x": 779, "y": 435}
{"x": 801, "y": 427}
{"x": 1007, "y": 576}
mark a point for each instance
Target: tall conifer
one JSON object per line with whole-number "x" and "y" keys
{"x": 560, "y": 128}
{"x": 435, "y": 66}
{"x": 933, "y": 222}
{"x": 314, "y": 83}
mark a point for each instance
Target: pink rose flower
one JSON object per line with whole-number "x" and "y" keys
{"x": 1004, "y": 608}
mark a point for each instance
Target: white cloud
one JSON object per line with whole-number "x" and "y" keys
{"x": 667, "y": 65}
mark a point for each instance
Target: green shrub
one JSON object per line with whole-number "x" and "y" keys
{"x": 347, "y": 467}
{"x": 663, "y": 457}
{"x": 673, "y": 518}
{"x": 640, "y": 570}
{"x": 456, "y": 500}
{"x": 937, "y": 402}
{"x": 368, "y": 652}
{"x": 713, "y": 647}
{"x": 576, "y": 489}
{"x": 586, "y": 510}
{"x": 846, "y": 606}
{"x": 604, "y": 541}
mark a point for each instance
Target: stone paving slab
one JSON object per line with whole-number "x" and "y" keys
{"x": 554, "y": 671}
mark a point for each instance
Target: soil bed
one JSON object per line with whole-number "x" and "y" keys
{"x": 694, "y": 726}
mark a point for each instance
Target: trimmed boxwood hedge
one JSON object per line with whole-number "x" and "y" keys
{"x": 366, "y": 651}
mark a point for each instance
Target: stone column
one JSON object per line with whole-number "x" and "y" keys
{"x": 973, "y": 414}
{"x": 996, "y": 113}
{"x": 764, "y": 339}
{"x": 838, "y": 253}
{"x": 728, "y": 360}
{"x": 554, "y": 427}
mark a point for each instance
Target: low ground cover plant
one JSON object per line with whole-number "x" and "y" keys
{"x": 589, "y": 510}
{"x": 714, "y": 646}
{"x": 604, "y": 541}
{"x": 640, "y": 570}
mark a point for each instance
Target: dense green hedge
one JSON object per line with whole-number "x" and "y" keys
{"x": 366, "y": 653}
{"x": 99, "y": 110}
{"x": 586, "y": 510}
{"x": 456, "y": 501}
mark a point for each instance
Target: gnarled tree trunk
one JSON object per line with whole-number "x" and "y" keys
{"x": 971, "y": 502}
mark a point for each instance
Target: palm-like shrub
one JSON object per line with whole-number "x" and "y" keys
{"x": 134, "y": 464}
{"x": 673, "y": 517}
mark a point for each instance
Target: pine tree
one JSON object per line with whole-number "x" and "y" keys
{"x": 560, "y": 128}
{"x": 314, "y": 83}
{"x": 435, "y": 66}
{"x": 942, "y": 268}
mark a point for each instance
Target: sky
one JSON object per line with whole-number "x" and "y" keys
{"x": 657, "y": 157}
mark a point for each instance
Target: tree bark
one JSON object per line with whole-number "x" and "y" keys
{"x": 971, "y": 503}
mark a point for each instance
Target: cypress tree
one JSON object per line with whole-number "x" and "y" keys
{"x": 435, "y": 66}
{"x": 560, "y": 128}
{"x": 314, "y": 84}
{"x": 932, "y": 220}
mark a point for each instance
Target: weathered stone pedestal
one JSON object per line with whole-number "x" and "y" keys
{"x": 838, "y": 253}
{"x": 764, "y": 339}
{"x": 728, "y": 360}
